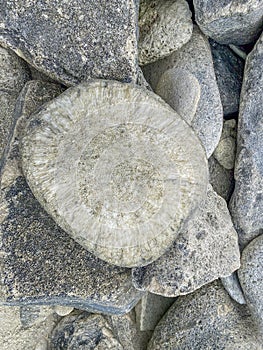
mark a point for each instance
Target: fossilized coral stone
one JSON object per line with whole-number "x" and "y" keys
{"x": 116, "y": 168}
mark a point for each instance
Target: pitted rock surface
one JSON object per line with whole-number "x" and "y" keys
{"x": 116, "y": 168}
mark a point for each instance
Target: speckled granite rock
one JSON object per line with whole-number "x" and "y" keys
{"x": 251, "y": 278}
{"x": 195, "y": 57}
{"x": 232, "y": 286}
{"x": 165, "y": 26}
{"x": 72, "y": 43}
{"x": 13, "y": 75}
{"x": 230, "y": 22}
{"x": 40, "y": 263}
{"x": 205, "y": 250}
{"x": 206, "y": 319}
{"x": 229, "y": 70}
{"x": 247, "y": 201}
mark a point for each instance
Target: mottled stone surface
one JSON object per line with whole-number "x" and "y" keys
{"x": 195, "y": 57}
{"x": 181, "y": 90}
{"x": 165, "y": 26}
{"x": 72, "y": 42}
{"x": 13, "y": 75}
{"x": 251, "y": 278}
{"x": 232, "y": 286}
{"x": 205, "y": 250}
{"x": 229, "y": 70}
{"x": 206, "y": 319}
{"x": 247, "y": 200}
{"x": 116, "y": 168}
{"x": 230, "y": 21}
{"x": 40, "y": 263}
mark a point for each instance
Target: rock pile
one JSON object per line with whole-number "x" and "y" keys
{"x": 131, "y": 175}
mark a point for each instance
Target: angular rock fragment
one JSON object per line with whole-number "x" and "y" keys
{"x": 232, "y": 286}
{"x": 206, "y": 319}
{"x": 205, "y": 250}
{"x": 73, "y": 43}
{"x": 251, "y": 278}
{"x": 195, "y": 57}
{"x": 116, "y": 168}
{"x": 229, "y": 70}
{"x": 230, "y": 22}
{"x": 246, "y": 204}
{"x": 165, "y": 26}
{"x": 41, "y": 264}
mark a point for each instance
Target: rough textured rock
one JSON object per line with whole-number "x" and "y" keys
{"x": 251, "y": 278}
{"x": 40, "y": 263}
{"x": 232, "y": 286}
{"x": 165, "y": 26}
{"x": 225, "y": 152}
{"x": 73, "y": 42}
{"x": 231, "y": 21}
{"x": 150, "y": 310}
{"x": 33, "y": 314}
{"x": 247, "y": 200}
{"x": 229, "y": 70}
{"x": 13, "y": 75}
{"x": 181, "y": 90}
{"x": 205, "y": 250}
{"x": 139, "y": 170}
{"x": 206, "y": 319}
{"x": 195, "y": 57}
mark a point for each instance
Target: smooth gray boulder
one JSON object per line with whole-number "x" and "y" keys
{"x": 73, "y": 43}
{"x": 231, "y": 21}
{"x": 251, "y": 278}
{"x": 165, "y": 26}
{"x": 40, "y": 263}
{"x": 206, "y": 249}
{"x": 246, "y": 204}
{"x": 232, "y": 286}
{"x": 195, "y": 57}
{"x": 206, "y": 319}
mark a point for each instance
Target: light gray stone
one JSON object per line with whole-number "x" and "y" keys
{"x": 205, "y": 250}
{"x": 165, "y": 26}
{"x": 232, "y": 286}
{"x": 206, "y": 319}
{"x": 195, "y": 57}
{"x": 133, "y": 158}
{"x": 229, "y": 70}
{"x": 40, "y": 263}
{"x": 231, "y": 21}
{"x": 181, "y": 90}
{"x": 246, "y": 204}
{"x": 72, "y": 43}
{"x": 251, "y": 278}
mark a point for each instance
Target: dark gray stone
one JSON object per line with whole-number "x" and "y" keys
{"x": 205, "y": 250}
{"x": 229, "y": 70}
{"x": 246, "y": 204}
{"x": 230, "y": 21}
{"x": 206, "y": 319}
{"x": 40, "y": 263}
{"x": 72, "y": 42}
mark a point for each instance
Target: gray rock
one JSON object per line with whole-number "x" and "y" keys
{"x": 133, "y": 157}
{"x": 206, "y": 319}
{"x": 251, "y": 278}
{"x": 195, "y": 57}
{"x": 165, "y": 26}
{"x": 181, "y": 90}
{"x": 246, "y": 204}
{"x": 13, "y": 75}
{"x": 229, "y": 70}
{"x": 221, "y": 179}
{"x": 232, "y": 286}
{"x": 205, "y": 250}
{"x": 34, "y": 314}
{"x": 231, "y": 21}
{"x": 40, "y": 263}
{"x": 74, "y": 43}
{"x": 141, "y": 81}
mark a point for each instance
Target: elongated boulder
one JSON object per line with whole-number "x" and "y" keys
{"x": 247, "y": 201}
{"x": 40, "y": 263}
{"x": 74, "y": 42}
{"x": 116, "y": 168}
{"x": 204, "y": 251}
